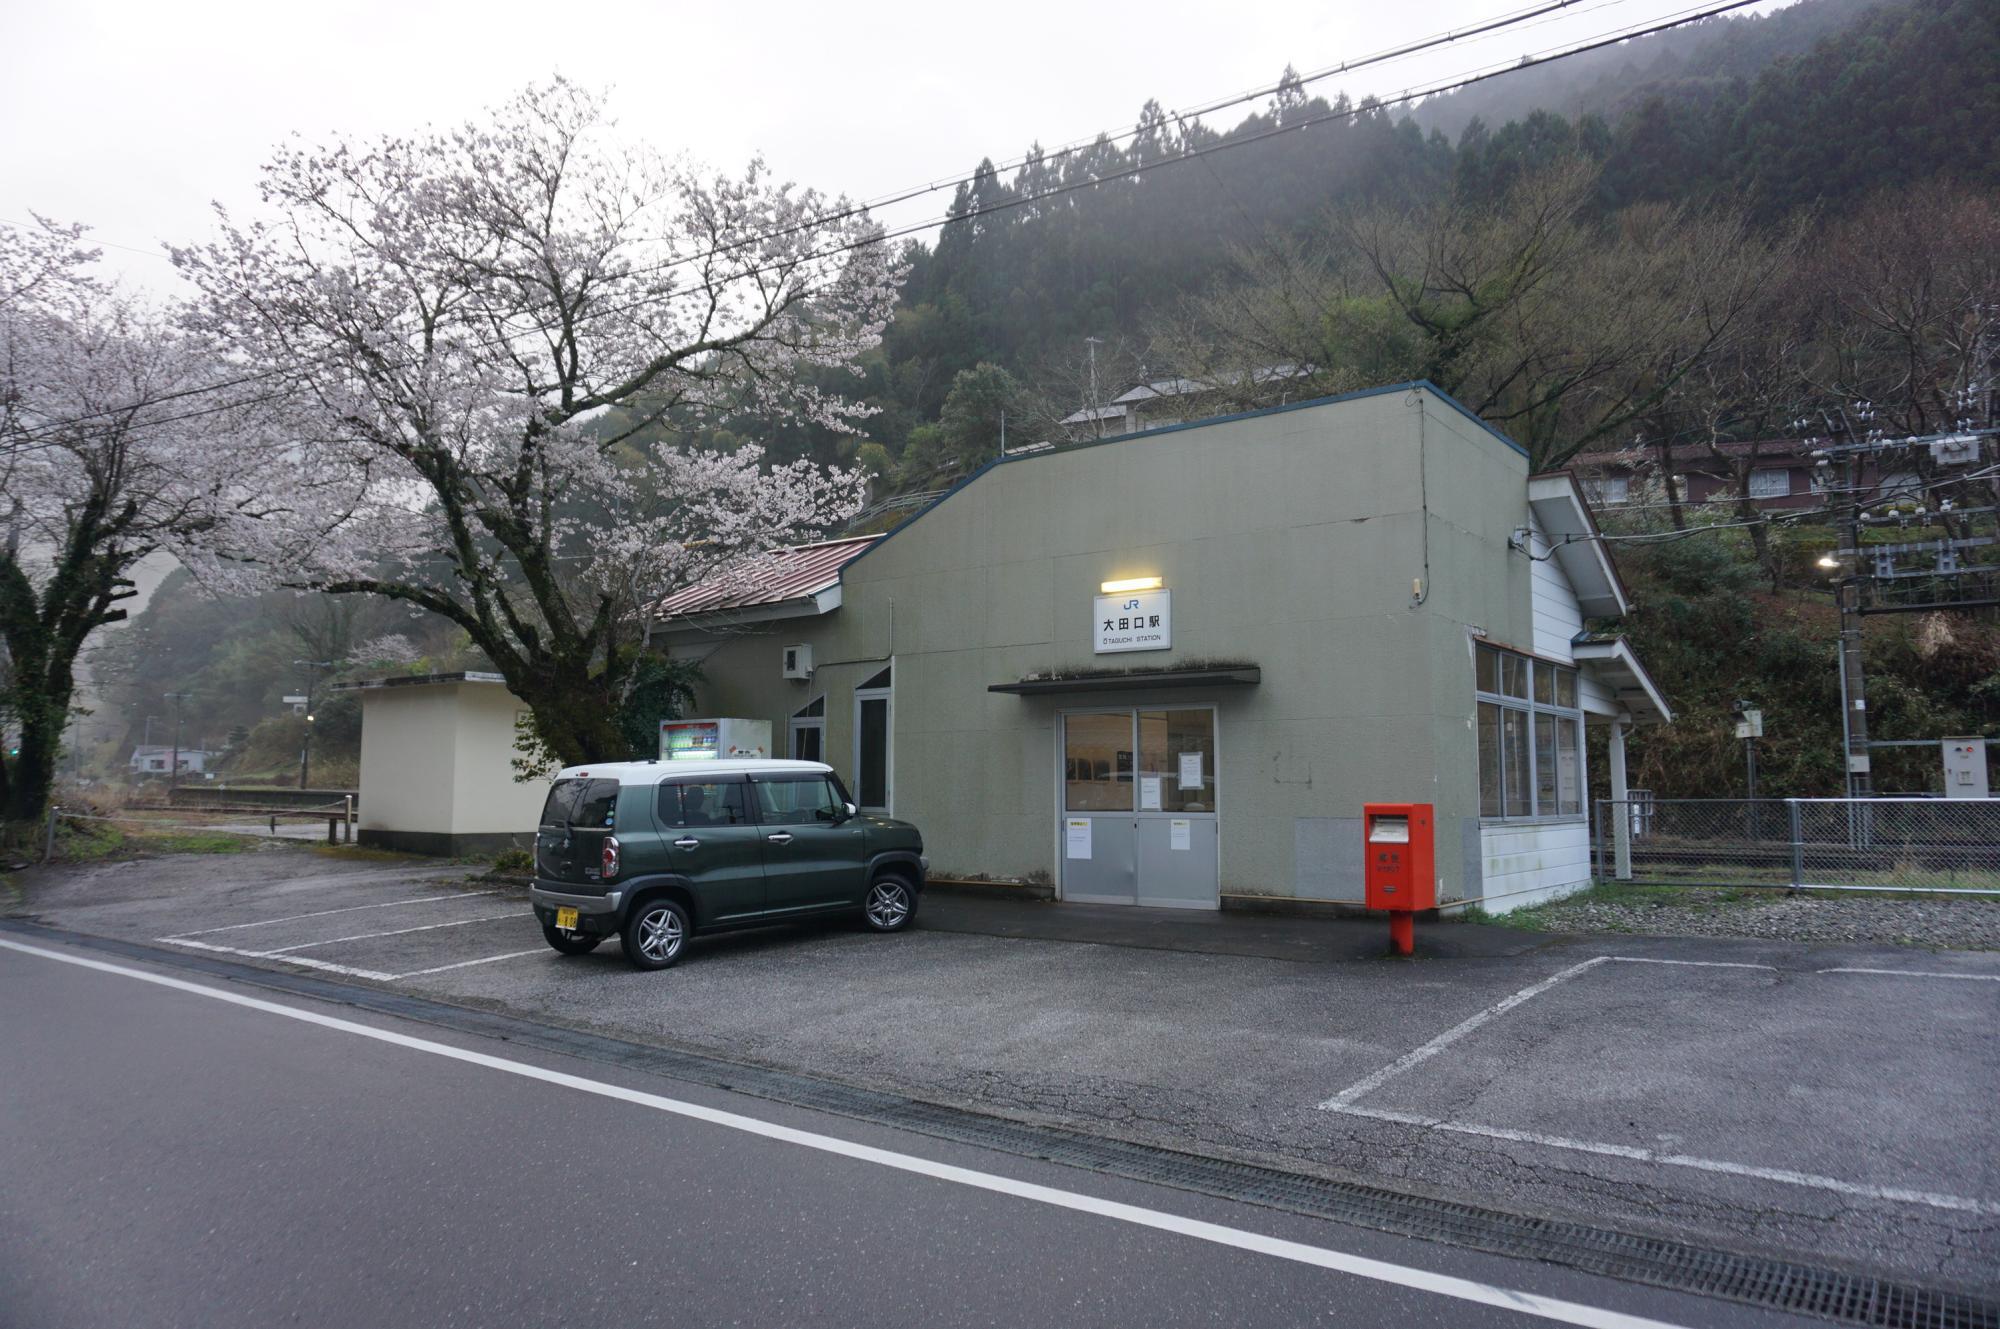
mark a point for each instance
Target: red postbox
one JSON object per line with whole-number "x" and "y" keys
{"x": 1401, "y": 871}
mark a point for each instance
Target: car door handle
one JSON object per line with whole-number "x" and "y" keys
{"x": 782, "y": 837}
{"x": 687, "y": 842}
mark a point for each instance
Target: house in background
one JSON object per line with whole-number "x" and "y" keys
{"x": 158, "y": 759}
{"x": 1782, "y": 474}
{"x": 1159, "y": 402}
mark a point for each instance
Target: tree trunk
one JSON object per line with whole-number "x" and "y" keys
{"x": 31, "y": 777}
{"x": 576, "y": 714}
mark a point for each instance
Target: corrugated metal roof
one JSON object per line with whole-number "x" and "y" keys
{"x": 783, "y": 574}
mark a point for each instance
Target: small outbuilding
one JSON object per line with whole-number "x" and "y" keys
{"x": 437, "y": 772}
{"x": 1170, "y": 668}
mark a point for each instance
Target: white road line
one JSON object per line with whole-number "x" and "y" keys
{"x": 322, "y": 913}
{"x": 396, "y": 932}
{"x": 1359, "y": 1266}
{"x": 304, "y": 960}
{"x": 467, "y": 964}
{"x": 1905, "y": 1195}
{"x": 1417, "y": 1056}
{"x": 1916, "y": 973}
{"x": 1691, "y": 964}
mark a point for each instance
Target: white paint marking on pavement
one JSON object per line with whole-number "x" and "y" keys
{"x": 1692, "y": 964}
{"x": 1359, "y": 1266}
{"x": 467, "y": 964}
{"x": 322, "y": 913}
{"x": 1916, "y": 973}
{"x": 304, "y": 960}
{"x": 395, "y": 932}
{"x": 1419, "y": 1055}
{"x": 1905, "y": 1195}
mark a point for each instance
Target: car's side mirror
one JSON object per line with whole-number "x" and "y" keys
{"x": 852, "y": 811}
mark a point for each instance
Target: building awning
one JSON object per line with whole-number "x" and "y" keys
{"x": 1233, "y": 677}
{"x": 1612, "y": 662}
{"x": 1579, "y": 547}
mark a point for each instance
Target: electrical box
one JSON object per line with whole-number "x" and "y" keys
{"x": 710, "y": 740}
{"x": 1401, "y": 869}
{"x": 1965, "y": 767}
{"x": 798, "y": 661}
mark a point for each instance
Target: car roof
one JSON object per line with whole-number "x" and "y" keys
{"x": 651, "y": 772}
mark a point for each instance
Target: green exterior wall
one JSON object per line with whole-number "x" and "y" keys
{"x": 1290, "y": 540}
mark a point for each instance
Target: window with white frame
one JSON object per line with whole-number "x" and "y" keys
{"x": 1770, "y": 482}
{"x": 1609, "y": 490}
{"x": 1530, "y": 737}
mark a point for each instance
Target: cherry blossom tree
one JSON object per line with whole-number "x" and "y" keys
{"x": 118, "y": 439}
{"x": 450, "y": 317}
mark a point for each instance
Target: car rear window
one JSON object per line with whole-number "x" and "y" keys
{"x": 561, "y": 801}
{"x": 597, "y": 807}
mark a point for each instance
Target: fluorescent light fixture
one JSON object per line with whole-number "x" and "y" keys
{"x": 1132, "y": 584}
{"x": 1828, "y": 561}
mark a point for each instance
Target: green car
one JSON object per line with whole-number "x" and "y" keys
{"x": 655, "y": 852}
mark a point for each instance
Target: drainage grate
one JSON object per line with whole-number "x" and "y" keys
{"x": 1657, "y": 1261}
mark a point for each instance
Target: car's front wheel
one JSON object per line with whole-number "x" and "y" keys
{"x": 891, "y": 904}
{"x": 570, "y": 943}
{"x": 655, "y": 934}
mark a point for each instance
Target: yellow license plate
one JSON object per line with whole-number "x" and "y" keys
{"x": 566, "y": 918}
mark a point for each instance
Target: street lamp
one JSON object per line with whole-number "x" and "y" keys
{"x": 312, "y": 667}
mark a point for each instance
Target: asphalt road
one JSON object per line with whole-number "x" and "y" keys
{"x": 1823, "y": 1104}
{"x": 175, "y": 1157}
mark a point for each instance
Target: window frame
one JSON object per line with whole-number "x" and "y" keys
{"x": 1777, "y": 481}
{"x": 887, "y": 696}
{"x": 800, "y": 722}
{"x": 1529, "y": 714}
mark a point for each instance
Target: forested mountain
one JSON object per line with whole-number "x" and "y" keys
{"x": 1799, "y": 114}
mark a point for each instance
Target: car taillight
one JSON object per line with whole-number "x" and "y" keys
{"x": 609, "y": 863}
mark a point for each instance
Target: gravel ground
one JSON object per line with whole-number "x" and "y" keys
{"x": 1967, "y": 924}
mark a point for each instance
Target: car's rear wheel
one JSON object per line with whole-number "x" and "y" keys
{"x": 655, "y": 934}
{"x": 891, "y": 903}
{"x": 570, "y": 943}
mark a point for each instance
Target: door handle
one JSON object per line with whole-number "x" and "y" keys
{"x": 687, "y": 842}
{"x": 782, "y": 837}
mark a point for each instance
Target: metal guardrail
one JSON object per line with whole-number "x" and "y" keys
{"x": 1945, "y": 846}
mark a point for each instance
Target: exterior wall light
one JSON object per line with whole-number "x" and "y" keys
{"x": 1828, "y": 561}
{"x": 1132, "y": 584}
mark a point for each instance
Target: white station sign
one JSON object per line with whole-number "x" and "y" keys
{"x": 1134, "y": 621}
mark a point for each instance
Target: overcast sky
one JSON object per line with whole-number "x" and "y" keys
{"x": 134, "y": 116}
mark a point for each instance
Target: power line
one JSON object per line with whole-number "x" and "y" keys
{"x": 1006, "y": 205}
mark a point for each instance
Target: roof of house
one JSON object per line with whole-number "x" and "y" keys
{"x": 1790, "y": 450}
{"x": 798, "y": 572}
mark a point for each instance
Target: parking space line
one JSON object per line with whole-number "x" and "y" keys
{"x": 1916, "y": 973}
{"x": 305, "y": 960}
{"x": 467, "y": 964}
{"x": 322, "y": 913}
{"x": 1158, "y": 1220}
{"x": 395, "y": 932}
{"x": 1932, "y": 1199}
{"x": 1344, "y": 1101}
{"x": 1419, "y": 1055}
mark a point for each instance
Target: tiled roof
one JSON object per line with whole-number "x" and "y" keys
{"x": 773, "y": 578}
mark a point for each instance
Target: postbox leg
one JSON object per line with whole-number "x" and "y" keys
{"x": 1402, "y": 931}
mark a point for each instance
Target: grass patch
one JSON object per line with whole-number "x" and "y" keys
{"x": 1546, "y": 916}
{"x": 98, "y": 842}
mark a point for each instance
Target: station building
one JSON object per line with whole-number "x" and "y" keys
{"x": 1170, "y": 668}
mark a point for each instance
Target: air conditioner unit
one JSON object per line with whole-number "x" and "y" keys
{"x": 798, "y": 662}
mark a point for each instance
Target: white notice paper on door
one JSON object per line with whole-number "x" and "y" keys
{"x": 1076, "y": 838}
{"x": 1179, "y": 834}
{"x": 1149, "y": 793}
{"x": 1191, "y": 770}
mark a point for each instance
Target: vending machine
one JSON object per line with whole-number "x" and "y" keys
{"x": 709, "y": 740}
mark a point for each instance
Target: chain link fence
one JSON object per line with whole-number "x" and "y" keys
{"x": 1949, "y": 846}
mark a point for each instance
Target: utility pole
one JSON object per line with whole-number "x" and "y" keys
{"x": 1096, "y": 411}
{"x": 174, "y": 771}
{"x": 1853, "y": 687}
{"x": 312, "y": 668}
